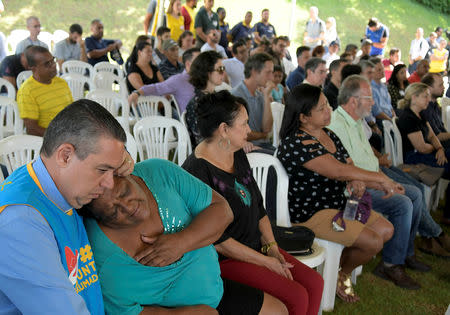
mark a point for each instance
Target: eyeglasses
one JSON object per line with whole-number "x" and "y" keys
{"x": 48, "y": 63}
{"x": 36, "y": 26}
{"x": 366, "y": 97}
{"x": 220, "y": 69}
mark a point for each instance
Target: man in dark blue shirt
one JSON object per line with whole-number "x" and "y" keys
{"x": 242, "y": 29}
{"x": 11, "y": 66}
{"x": 97, "y": 48}
{"x": 298, "y": 75}
{"x": 264, "y": 27}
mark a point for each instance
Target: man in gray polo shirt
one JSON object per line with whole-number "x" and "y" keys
{"x": 34, "y": 26}
{"x": 256, "y": 90}
{"x": 71, "y": 48}
{"x": 315, "y": 29}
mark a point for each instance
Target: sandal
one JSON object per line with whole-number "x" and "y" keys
{"x": 344, "y": 288}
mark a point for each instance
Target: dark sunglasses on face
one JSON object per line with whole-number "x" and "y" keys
{"x": 220, "y": 69}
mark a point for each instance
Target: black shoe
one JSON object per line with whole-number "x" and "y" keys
{"x": 412, "y": 263}
{"x": 433, "y": 247}
{"x": 397, "y": 275}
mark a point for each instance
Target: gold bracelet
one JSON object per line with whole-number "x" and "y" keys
{"x": 265, "y": 249}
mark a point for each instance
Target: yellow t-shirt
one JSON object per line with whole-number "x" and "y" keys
{"x": 192, "y": 14}
{"x": 437, "y": 66}
{"x": 42, "y": 102}
{"x": 176, "y": 26}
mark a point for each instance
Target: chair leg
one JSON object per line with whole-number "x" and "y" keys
{"x": 330, "y": 272}
{"x": 355, "y": 273}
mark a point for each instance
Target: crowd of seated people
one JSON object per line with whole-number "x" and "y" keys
{"x": 156, "y": 230}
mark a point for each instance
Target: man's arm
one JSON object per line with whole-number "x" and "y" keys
{"x": 443, "y": 136}
{"x": 31, "y": 272}
{"x": 201, "y": 34}
{"x": 147, "y": 19}
{"x": 267, "y": 119}
{"x": 83, "y": 55}
{"x": 32, "y": 127}
{"x": 93, "y": 53}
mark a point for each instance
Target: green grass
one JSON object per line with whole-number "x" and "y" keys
{"x": 123, "y": 19}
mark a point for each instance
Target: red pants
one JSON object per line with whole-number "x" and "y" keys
{"x": 301, "y": 295}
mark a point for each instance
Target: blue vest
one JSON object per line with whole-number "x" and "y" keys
{"x": 23, "y": 188}
{"x": 376, "y": 37}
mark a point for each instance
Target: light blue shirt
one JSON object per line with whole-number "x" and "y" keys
{"x": 235, "y": 70}
{"x": 32, "y": 277}
{"x": 381, "y": 98}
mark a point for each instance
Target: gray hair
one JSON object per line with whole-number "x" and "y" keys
{"x": 350, "y": 88}
{"x": 81, "y": 124}
{"x": 313, "y": 63}
{"x": 364, "y": 64}
{"x": 31, "y": 18}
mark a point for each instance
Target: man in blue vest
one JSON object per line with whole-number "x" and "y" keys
{"x": 47, "y": 264}
{"x": 379, "y": 35}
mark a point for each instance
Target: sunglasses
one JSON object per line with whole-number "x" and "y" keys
{"x": 220, "y": 69}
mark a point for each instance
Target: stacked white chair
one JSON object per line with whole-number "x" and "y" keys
{"x": 148, "y": 106}
{"x": 77, "y": 66}
{"x": 21, "y": 77}
{"x": 10, "y": 122}
{"x": 19, "y": 150}
{"x": 47, "y": 38}
{"x": 77, "y": 84}
{"x": 153, "y": 137}
{"x": 277, "y": 114}
{"x": 327, "y": 261}
{"x": 105, "y": 66}
{"x": 10, "y": 89}
{"x": 112, "y": 101}
{"x": 59, "y": 35}
{"x": 131, "y": 146}
{"x": 110, "y": 82}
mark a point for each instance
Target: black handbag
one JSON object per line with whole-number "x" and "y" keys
{"x": 296, "y": 240}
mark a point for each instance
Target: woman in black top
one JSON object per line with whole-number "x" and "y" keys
{"x": 397, "y": 85}
{"x": 320, "y": 170}
{"x": 248, "y": 251}
{"x": 420, "y": 144}
{"x": 143, "y": 72}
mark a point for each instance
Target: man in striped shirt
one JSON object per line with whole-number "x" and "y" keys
{"x": 42, "y": 96}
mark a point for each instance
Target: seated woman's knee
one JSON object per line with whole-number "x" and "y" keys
{"x": 273, "y": 306}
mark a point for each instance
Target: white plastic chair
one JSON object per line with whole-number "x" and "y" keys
{"x": 131, "y": 146}
{"x": 112, "y": 101}
{"x": 148, "y": 106}
{"x": 105, "y": 66}
{"x": 15, "y": 37}
{"x": 10, "y": 122}
{"x": 277, "y": 114}
{"x": 123, "y": 122}
{"x": 19, "y": 150}
{"x": 154, "y": 138}
{"x": 77, "y": 66}
{"x": 47, "y": 38}
{"x": 77, "y": 84}
{"x": 21, "y": 77}
{"x": 10, "y": 89}
{"x": 59, "y": 35}
{"x": 445, "y": 109}
{"x": 109, "y": 81}
{"x": 328, "y": 264}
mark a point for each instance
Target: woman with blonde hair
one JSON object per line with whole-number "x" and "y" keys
{"x": 175, "y": 21}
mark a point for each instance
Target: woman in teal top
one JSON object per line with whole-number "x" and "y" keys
{"x": 151, "y": 239}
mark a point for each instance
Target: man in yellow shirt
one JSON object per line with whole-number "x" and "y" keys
{"x": 189, "y": 15}
{"x": 42, "y": 96}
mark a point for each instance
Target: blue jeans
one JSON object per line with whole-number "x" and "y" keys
{"x": 427, "y": 226}
{"x": 404, "y": 212}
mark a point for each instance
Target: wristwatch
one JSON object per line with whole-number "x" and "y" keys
{"x": 137, "y": 92}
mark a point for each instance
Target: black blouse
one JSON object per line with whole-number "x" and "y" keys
{"x": 310, "y": 192}
{"x": 408, "y": 123}
{"x": 145, "y": 79}
{"x": 242, "y": 193}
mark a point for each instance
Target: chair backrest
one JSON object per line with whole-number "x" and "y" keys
{"x": 177, "y": 107}
{"x": 79, "y": 67}
{"x": 10, "y": 89}
{"x": 15, "y": 37}
{"x": 19, "y": 150}
{"x": 148, "y": 106}
{"x": 21, "y": 77}
{"x": 260, "y": 164}
{"x": 105, "y": 66}
{"x": 125, "y": 123}
{"x": 112, "y": 101}
{"x": 107, "y": 81}
{"x": 77, "y": 84}
{"x": 445, "y": 108}
{"x": 59, "y": 35}
{"x": 154, "y": 136}
{"x": 131, "y": 146}
{"x": 47, "y": 38}
{"x": 393, "y": 142}
{"x": 277, "y": 114}
{"x": 10, "y": 121}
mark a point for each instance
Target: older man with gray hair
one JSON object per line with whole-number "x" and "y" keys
{"x": 418, "y": 50}
{"x": 402, "y": 205}
{"x": 34, "y": 26}
{"x": 316, "y": 72}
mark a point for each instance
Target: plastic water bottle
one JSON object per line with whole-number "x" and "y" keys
{"x": 350, "y": 208}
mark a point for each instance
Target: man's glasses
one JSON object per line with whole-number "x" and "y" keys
{"x": 220, "y": 69}
{"x": 49, "y": 63}
{"x": 366, "y": 97}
